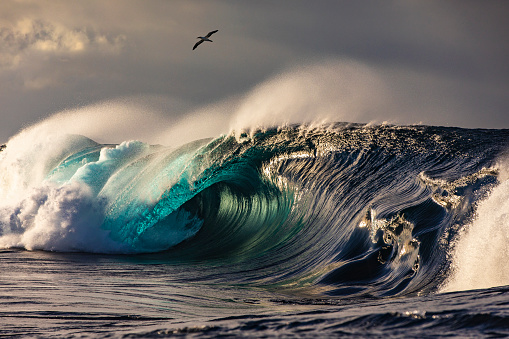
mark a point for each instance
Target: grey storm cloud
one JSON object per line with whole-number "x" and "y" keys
{"x": 448, "y": 56}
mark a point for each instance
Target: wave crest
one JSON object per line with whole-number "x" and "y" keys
{"x": 345, "y": 210}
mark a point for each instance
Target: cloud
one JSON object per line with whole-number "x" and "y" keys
{"x": 28, "y": 39}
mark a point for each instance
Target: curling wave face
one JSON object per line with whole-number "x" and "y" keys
{"x": 346, "y": 210}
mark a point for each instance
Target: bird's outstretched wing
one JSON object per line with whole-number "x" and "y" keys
{"x": 210, "y": 33}
{"x": 196, "y": 44}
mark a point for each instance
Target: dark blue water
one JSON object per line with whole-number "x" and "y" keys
{"x": 295, "y": 231}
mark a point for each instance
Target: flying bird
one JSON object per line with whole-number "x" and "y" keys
{"x": 204, "y": 38}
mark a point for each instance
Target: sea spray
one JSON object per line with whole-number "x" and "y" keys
{"x": 30, "y": 155}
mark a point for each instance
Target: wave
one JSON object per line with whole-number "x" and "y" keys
{"x": 344, "y": 209}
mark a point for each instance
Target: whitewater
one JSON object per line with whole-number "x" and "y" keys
{"x": 281, "y": 228}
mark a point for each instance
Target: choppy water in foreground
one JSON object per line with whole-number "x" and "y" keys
{"x": 62, "y": 295}
{"x": 294, "y": 231}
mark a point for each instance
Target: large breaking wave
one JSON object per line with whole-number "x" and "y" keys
{"x": 343, "y": 209}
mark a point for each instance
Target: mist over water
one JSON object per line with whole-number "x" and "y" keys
{"x": 347, "y": 90}
{"x": 323, "y": 91}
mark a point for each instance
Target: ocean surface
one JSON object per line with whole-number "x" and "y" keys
{"x": 295, "y": 231}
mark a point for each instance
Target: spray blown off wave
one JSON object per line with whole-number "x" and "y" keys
{"x": 345, "y": 210}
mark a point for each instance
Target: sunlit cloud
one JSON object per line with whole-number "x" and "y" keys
{"x": 28, "y": 37}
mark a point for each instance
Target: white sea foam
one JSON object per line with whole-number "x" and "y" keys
{"x": 40, "y": 214}
{"x": 481, "y": 253}
{"x": 57, "y": 218}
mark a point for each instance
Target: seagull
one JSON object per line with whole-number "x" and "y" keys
{"x": 204, "y": 38}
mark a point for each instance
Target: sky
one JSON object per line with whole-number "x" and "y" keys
{"x": 130, "y": 64}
